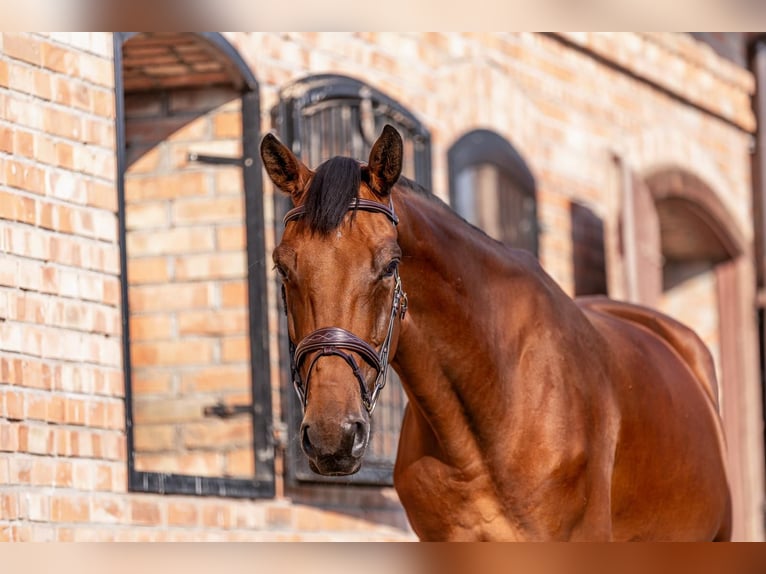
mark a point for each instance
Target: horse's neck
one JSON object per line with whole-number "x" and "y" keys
{"x": 458, "y": 348}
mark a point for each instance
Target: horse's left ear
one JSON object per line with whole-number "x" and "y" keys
{"x": 385, "y": 163}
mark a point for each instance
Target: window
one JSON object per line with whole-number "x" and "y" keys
{"x": 492, "y": 188}
{"x": 196, "y": 355}
{"x": 320, "y": 117}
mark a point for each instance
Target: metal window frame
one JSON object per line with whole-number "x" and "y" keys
{"x": 485, "y": 146}
{"x": 262, "y": 484}
{"x": 287, "y": 119}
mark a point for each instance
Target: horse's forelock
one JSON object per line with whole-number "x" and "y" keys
{"x": 335, "y": 185}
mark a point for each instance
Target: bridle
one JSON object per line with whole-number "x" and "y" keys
{"x": 336, "y": 341}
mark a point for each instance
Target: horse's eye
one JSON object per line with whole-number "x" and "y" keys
{"x": 281, "y": 271}
{"x": 390, "y": 269}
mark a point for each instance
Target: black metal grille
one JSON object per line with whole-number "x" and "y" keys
{"x": 320, "y": 117}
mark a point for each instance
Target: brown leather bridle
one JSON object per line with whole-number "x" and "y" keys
{"x": 336, "y": 341}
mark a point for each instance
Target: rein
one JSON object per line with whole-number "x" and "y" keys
{"x": 327, "y": 341}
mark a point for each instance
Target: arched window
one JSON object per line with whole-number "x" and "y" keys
{"x": 320, "y": 117}
{"x": 492, "y": 188}
{"x": 196, "y": 358}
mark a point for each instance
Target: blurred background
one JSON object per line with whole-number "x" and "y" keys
{"x": 144, "y": 390}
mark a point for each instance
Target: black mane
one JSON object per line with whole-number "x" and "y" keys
{"x": 335, "y": 185}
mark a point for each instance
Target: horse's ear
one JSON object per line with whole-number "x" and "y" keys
{"x": 385, "y": 162}
{"x": 286, "y": 171}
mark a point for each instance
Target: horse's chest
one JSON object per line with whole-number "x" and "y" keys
{"x": 442, "y": 506}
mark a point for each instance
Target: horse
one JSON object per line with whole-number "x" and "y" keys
{"x": 531, "y": 416}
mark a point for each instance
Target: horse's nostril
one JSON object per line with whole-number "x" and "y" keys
{"x": 360, "y": 439}
{"x": 305, "y": 441}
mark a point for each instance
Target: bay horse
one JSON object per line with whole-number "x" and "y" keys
{"x": 531, "y": 416}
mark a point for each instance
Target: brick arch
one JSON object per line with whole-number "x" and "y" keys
{"x": 704, "y": 204}
{"x": 672, "y": 151}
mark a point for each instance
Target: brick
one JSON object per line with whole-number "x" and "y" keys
{"x": 228, "y": 181}
{"x": 24, "y": 176}
{"x": 63, "y": 475}
{"x": 217, "y": 434}
{"x": 108, "y": 510}
{"x": 22, "y": 47}
{"x": 65, "y": 124}
{"x": 216, "y": 378}
{"x": 24, "y": 143}
{"x": 144, "y": 512}
{"x": 9, "y": 437}
{"x": 166, "y": 353}
{"x": 183, "y": 514}
{"x": 150, "y": 327}
{"x": 234, "y": 294}
{"x": 14, "y": 207}
{"x": 69, "y": 508}
{"x": 240, "y": 462}
{"x": 216, "y": 516}
{"x": 145, "y": 299}
{"x": 149, "y": 438}
{"x": 150, "y": 382}
{"x": 227, "y": 125}
{"x": 235, "y": 349}
{"x": 148, "y": 270}
{"x": 170, "y": 241}
{"x": 59, "y": 59}
{"x": 197, "y": 464}
{"x": 147, "y": 162}
{"x": 148, "y": 215}
{"x": 166, "y": 411}
{"x": 213, "y": 266}
{"x": 186, "y": 184}
{"x": 231, "y": 238}
{"x": 217, "y": 210}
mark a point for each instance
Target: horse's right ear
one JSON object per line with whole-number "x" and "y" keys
{"x": 286, "y": 171}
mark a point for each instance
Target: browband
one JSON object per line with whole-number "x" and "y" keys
{"x": 360, "y": 204}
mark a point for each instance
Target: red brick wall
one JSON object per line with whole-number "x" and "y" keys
{"x": 567, "y": 107}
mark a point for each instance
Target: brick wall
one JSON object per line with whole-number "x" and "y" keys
{"x": 566, "y": 105}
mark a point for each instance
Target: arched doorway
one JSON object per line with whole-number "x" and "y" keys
{"x": 196, "y": 356}
{"x": 692, "y": 262}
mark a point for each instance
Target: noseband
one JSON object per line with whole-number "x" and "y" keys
{"x": 336, "y": 341}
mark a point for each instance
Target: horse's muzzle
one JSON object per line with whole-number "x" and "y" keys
{"x": 336, "y": 453}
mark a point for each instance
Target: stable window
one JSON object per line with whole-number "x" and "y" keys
{"x": 492, "y": 188}
{"x": 196, "y": 355}
{"x": 320, "y": 117}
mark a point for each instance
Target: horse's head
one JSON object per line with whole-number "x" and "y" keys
{"x": 338, "y": 260}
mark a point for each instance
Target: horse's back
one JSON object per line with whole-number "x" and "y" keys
{"x": 681, "y": 338}
{"x": 665, "y": 384}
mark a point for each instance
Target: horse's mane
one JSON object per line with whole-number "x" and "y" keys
{"x": 334, "y": 187}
